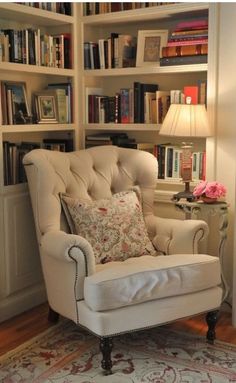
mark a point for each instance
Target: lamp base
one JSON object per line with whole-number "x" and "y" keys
{"x": 186, "y": 194}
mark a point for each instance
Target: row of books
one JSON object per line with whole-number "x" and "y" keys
{"x": 126, "y": 106}
{"x": 14, "y": 106}
{"x": 117, "y": 51}
{"x": 101, "y": 7}
{"x": 13, "y": 154}
{"x": 169, "y": 159}
{"x": 187, "y": 43}
{"x": 118, "y": 139}
{"x": 168, "y": 156}
{"x": 29, "y": 46}
{"x": 63, "y": 8}
{"x": 143, "y": 103}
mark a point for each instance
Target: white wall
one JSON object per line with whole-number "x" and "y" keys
{"x": 226, "y": 128}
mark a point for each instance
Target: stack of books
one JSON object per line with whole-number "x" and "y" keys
{"x": 118, "y": 139}
{"x": 117, "y": 51}
{"x": 187, "y": 44}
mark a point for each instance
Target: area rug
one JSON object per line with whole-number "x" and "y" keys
{"x": 66, "y": 354}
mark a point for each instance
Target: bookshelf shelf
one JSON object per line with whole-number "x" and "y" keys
{"x": 25, "y": 14}
{"x": 123, "y": 127}
{"x": 35, "y": 69}
{"x": 142, "y": 14}
{"x": 193, "y": 68}
{"x": 34, "y": 128}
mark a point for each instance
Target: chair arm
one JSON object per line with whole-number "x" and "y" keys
{"x": 173, "y": 236}
{"x": 69, "y": 247}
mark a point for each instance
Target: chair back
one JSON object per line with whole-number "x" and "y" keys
{"x": 90, "y": 174}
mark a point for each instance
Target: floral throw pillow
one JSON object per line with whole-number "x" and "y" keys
{"x": 114, "y": 227}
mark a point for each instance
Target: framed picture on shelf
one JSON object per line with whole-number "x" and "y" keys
{"x": 16, "y": 103}
{"x": 149, "y": 47}
{"x": 46, "y": 107}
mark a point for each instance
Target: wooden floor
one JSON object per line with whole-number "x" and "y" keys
{"x": 18, "y": 330}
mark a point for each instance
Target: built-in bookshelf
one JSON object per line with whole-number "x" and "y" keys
{"x": 39, "y": 94}
{"x": 105, "y": 86}
{"x": 55, "y": 78}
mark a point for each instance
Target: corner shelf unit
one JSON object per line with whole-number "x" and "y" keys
{"x": 21, "y": 285}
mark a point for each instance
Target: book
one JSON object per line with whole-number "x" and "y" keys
{"x": 162, "y": 104}
{"x": 67, "y": 86}
{"x": 106, "y": 136}
{"x": 61, "y": 144}
{"x": 192, "y": 92}
{"x": 185, "y": 50}
{"x": 88, "y": 100}
{"x": 183, "y": 60}
{"x": 192, "y": 24}
{"x": 175, "y": 43}
{"x": 148, "y": 147}
{"x": 139, "y": 90}
{"x": 149, "y": 97}
{"x": 113, "y": 36}
{"x": 62, "y": 105}
{"x": 190, "y": 32}
{"x": 202, "y": 92}
{"x": 124, "y": 106}
{"x": 188, "y": 37}
{"x": 87, "y": 59}
{"x": 176, "y": 96}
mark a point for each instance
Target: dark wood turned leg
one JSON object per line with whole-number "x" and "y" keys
{"x": 53, "y": 316}
{"x": 106, "y": 347}
{"x": 211, "y": 319}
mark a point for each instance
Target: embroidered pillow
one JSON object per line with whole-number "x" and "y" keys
{"x": 114, "y": 227}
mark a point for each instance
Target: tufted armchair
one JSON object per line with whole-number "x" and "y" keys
{"x": 116, "y": 297}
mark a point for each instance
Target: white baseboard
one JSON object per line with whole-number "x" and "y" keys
{"x": 22, "y": 301}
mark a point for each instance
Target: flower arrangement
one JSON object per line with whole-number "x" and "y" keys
{"x": 209, "y": 190}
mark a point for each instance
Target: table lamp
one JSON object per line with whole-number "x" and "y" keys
{"x": 186, "y": 120}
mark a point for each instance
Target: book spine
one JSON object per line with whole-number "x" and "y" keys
{"x": 124, "y": 106}
{"x": 190, "y": 32}
{"x": 185, "y": 50}
{"x": 192, "y": 24}
{"x": 137, "y": 102}
{"x": 117, "y": 108}
{"x": 183, "y": 60}
{"x": 188, "y": 37}
{"x": 187, "y": 42}
{"x": 192, "y": 92}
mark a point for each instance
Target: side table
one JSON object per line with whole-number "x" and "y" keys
{"x": 204, "y": 211}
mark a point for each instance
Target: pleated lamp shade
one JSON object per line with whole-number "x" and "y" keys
{"x": 183, "y": 120}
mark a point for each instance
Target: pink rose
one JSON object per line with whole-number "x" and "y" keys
{"x": 215, "y": 190}
{"x": 200, "y": 189}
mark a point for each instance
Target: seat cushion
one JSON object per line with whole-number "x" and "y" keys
{"x": 114, "y": 227}
{"x": 136, "y": 280}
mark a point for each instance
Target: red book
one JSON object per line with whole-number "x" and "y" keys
{"x": 187, "y": 42}
{"x": 191, "y": 91}
{"x": 192, "y": 24}
{"x": 185, "y": 50}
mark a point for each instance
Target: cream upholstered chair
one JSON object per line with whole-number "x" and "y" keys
{"x": 116, "y": 297}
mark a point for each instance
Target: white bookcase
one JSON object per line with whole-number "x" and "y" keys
{"x": 100, "y": 26}
{"x": 21, "y": 285}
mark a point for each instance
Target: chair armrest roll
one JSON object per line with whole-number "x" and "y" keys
{"x": 69, "y": 247}
{"x": 173, "y": 236}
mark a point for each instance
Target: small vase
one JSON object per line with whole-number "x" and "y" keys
{"x": 208, "y": 199}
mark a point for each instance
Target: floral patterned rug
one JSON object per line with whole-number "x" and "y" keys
{"x": 67, "y": 354}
